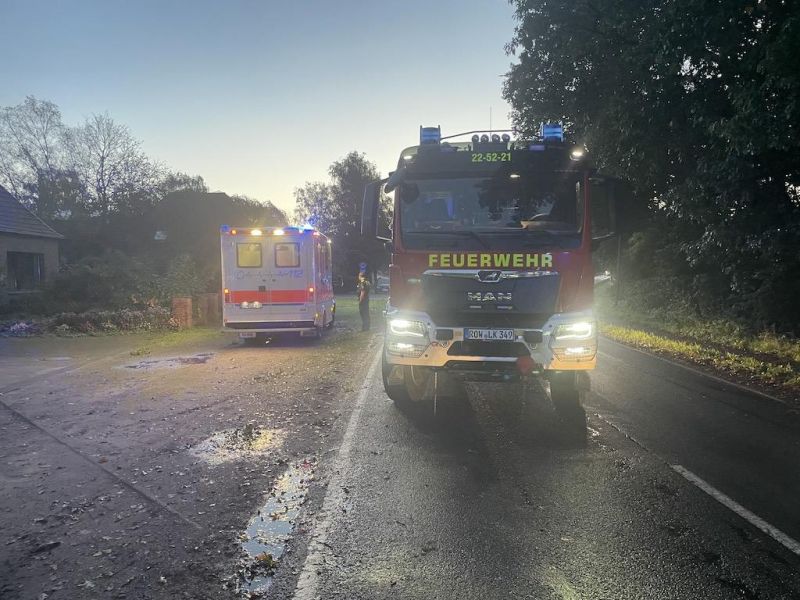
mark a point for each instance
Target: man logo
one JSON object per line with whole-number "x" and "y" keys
{"x": 489, "y": 276}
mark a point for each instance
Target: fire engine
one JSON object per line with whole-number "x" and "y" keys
{"x": 276, "y": 280}
{"x": 491, "y": 275}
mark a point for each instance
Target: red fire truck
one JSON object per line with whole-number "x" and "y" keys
{"x": 491, "y": 275}
{"x": 276, "y": 280}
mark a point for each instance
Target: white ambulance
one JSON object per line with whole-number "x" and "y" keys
{"x": 276, "y": 280}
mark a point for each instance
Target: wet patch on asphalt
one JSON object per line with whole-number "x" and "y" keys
{"x": 247, "y": 442}
{"x": 269, "y": 531}
{"x": 172, "y": 362}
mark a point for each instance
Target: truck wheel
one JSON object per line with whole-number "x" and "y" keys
{"x": 566, "y": 396}
{"x": 396, "y": 391}
{"x": 418, "y": 383}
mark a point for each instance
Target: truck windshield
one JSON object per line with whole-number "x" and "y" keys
{"x": 509, "y": 210}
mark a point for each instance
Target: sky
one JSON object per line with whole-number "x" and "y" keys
{"x": 259, "y": 97}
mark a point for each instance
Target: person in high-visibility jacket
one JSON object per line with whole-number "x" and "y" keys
{"x": 363, "y": 299}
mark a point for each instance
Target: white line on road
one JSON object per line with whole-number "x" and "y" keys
{"x": 740, "y": 510}
{"x": 307, "y": 583}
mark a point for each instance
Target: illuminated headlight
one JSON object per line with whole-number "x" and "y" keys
{"x": 245, "y": 305}
{"x": 405, "y": 349}
{"x": 582, "y": 330}
{"x": 408, "y": 328}
{"x": 575, "y": 341}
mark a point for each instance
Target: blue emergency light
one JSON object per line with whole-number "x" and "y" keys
{"x": 552, "y": 132}
{"x": 430, "y": 135}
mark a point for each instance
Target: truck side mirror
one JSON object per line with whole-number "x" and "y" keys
{"x": 369, "y": 209}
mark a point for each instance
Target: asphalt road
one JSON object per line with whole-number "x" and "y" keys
{"x": 489, "y": 501}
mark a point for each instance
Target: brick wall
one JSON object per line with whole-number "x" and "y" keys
{"x": 182, "y": 312}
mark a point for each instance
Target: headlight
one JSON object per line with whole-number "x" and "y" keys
{"x": 406, "y": 349}
{"x": 582, "y": 330}
{"x": 255, "y": 304}
{"x": 245, "y": 305}
{"x": 409, "y": 328}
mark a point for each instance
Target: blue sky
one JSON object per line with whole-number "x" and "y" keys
{"x": 259, "y": 97}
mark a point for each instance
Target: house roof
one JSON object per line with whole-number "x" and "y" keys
{"x": 15, "y": 218}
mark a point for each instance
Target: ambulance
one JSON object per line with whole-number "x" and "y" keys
{"x": 276, "y": 280}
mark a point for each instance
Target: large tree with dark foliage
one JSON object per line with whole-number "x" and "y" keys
{"x": 697, "y": 103}
{"x": 335, "y": 209}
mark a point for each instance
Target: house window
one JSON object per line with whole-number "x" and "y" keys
{"x": 25, "y": 270}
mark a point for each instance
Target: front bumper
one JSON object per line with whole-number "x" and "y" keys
{"x": 547, "y": 353}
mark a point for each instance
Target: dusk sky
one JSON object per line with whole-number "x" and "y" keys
{"x": 260, "y": 97}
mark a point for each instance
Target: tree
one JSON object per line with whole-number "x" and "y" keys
{"x": 314, "y": 205}
{"x": 118, "y": 176}
{"x": 31, "y": 146}
{"x": 177, "y": 181}
{"x": 335, "y": 208}
{"x": 60, "y": 195}
{"x": 698, "y": 104}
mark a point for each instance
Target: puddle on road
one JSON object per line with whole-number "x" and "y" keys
{"x": 171, "y": 363}
{"x": 249, "y": 441}
{"x": 270, "y": 530}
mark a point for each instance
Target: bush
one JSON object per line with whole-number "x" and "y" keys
{"x": 113, "y": 281}
{"x": 111, "y": 321}
{"x": 183, "y": 278}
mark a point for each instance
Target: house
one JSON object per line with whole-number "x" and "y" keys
{"x": 28, "y": 247}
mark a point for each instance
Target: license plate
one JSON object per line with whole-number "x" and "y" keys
{"x": 489, "y": 334}
{"x": 247, "y": 334}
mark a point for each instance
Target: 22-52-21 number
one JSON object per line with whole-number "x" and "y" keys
{"x": 478, "y": 157}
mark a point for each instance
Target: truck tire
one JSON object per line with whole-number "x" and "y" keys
{"x": 396, "y": 391}
{"x": 567, "y": 396}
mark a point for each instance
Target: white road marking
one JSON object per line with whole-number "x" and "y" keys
{"x": 308, "y": 581}
{"x": 740, "y": 510}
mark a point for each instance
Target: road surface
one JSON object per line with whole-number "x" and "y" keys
{"x": 134, "y": 471}
{"x": 488, "y": 502}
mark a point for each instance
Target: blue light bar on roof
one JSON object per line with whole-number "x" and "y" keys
{"x": 430, "y": 135}
{"x": 552, "y": 132}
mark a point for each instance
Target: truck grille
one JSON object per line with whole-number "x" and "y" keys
{"x": 497, "y": 320}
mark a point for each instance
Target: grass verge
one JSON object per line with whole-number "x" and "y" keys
{"x": 763, "y": 359}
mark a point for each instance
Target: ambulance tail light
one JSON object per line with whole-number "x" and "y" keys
{"x": 310, "y": 294}
{"x": 227, "y": 294}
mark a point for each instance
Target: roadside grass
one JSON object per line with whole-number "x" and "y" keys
{"x": 764, "y": 358}
{"x": 782, "y": 375}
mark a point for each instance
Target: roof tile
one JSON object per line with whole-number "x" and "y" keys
{"x": 15, "y": 218}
